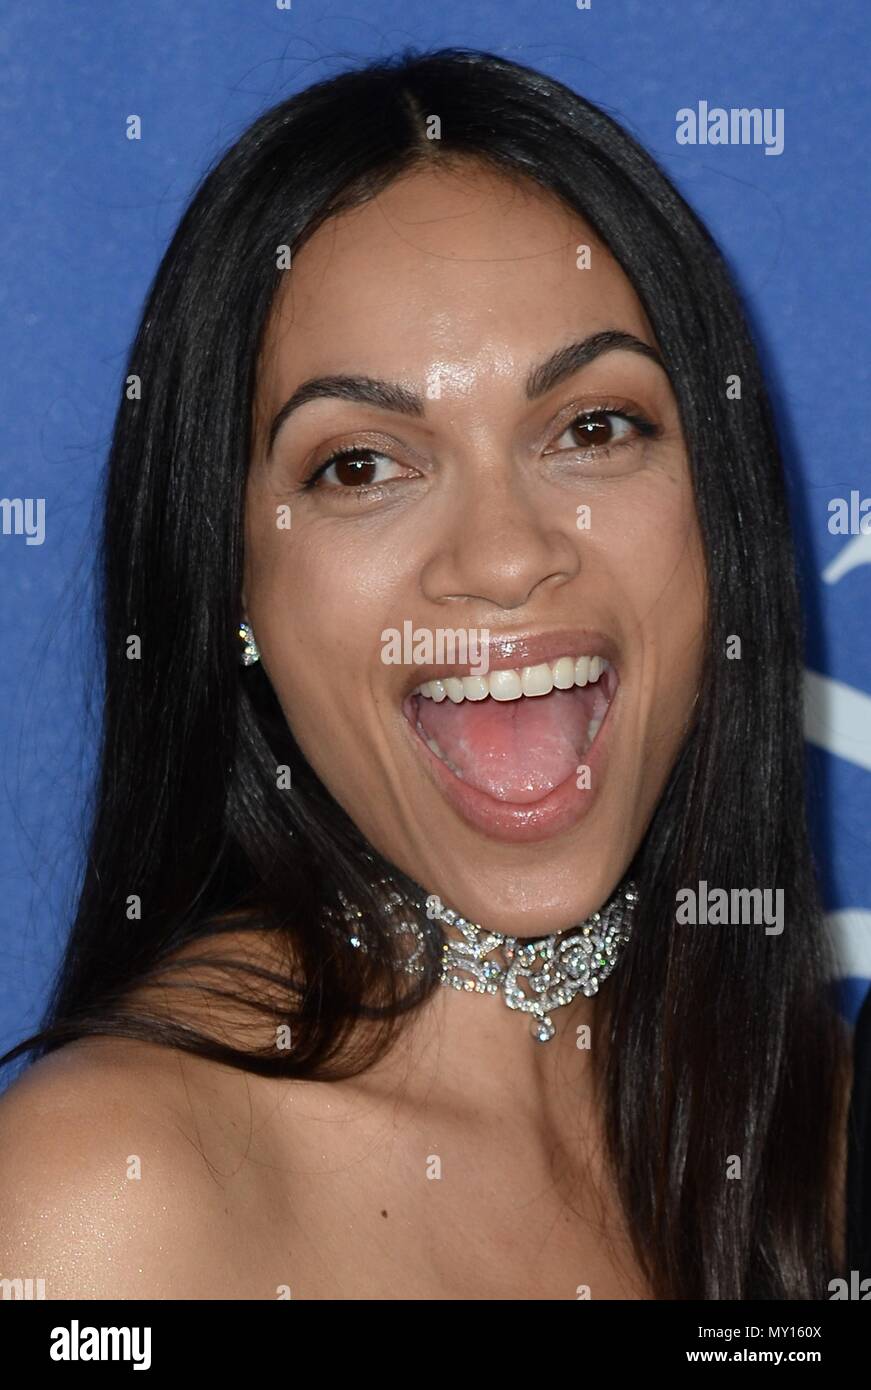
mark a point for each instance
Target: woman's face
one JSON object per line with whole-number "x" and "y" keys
{"x": 482, "y": 518}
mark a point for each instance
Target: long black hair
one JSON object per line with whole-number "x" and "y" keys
{"x": 722, "y": 1040}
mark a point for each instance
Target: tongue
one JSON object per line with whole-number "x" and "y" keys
{"x": 514, "y": 750}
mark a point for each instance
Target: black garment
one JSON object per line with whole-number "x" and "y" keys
{"x": 859, "y": 1151}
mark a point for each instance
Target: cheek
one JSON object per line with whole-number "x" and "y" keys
{"x": 653, "y": 549}
{"x": 656, "y": 560}
{"x": 658, "y": 553}
{"x": 318, "y": 606}
{"x": 343, "y": 575}
{"x": 673, "y": 590}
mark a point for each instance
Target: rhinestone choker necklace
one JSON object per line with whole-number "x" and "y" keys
{"x": 534, "y": 975}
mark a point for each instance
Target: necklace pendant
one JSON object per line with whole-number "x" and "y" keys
{"x": 544, "y": 1029}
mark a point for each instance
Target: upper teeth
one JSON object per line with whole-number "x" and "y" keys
{"x": 563, "y": 673}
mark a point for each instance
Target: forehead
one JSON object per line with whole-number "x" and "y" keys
{"x": 457, "y": 267}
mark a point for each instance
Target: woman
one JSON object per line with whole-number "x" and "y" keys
{"x": 447, "y": 570}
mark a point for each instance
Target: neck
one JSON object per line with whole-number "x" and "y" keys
{"x": 478, "y": 1043}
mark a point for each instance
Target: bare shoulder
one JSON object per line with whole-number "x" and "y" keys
{"x": 108, "y": 1186}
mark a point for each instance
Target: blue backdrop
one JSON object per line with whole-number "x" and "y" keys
{"x": 87, "y": 213}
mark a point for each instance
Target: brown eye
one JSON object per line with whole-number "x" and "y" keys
{"x": 354, "y": 467}
{"x": 596, "y": 429}
{"x": 354, "y": 471}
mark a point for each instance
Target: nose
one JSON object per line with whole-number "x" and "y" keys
{"x": 500, "y": 541}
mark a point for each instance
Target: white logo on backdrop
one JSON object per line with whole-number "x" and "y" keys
{"x": 838, "y": 719}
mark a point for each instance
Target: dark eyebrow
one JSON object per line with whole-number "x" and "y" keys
{"x": 389, "y": 395}
{"x": 570, "y": 359}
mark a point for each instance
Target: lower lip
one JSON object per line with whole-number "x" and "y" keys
{"x": 561, "y": 809}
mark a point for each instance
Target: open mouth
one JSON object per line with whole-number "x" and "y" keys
{"x": 517, "y": 734}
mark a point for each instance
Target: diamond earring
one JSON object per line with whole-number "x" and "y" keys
{"x": 250, "y": 650}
